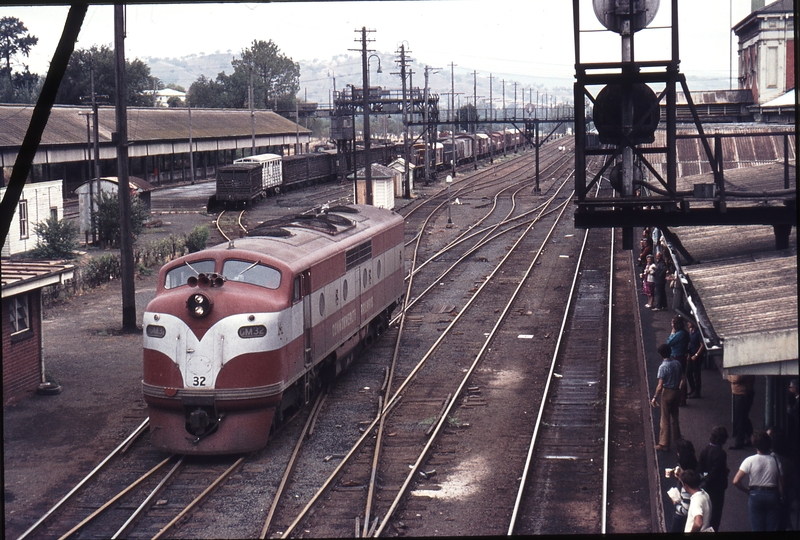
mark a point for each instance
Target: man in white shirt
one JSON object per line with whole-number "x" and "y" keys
{"x": 698, "y": 518}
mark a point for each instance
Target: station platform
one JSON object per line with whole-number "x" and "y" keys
{"x": 697, "y": 419}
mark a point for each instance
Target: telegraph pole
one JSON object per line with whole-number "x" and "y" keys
{"x": 475, "y": 129}
{"x": 123, "y": 188}
{"x": 252, "y": 113}
{"x": 96, "y": 155}
{"x": 365, "y": 76}
{"x": 491, "y": 125}
{"x": 453, "y": 108}
{"x": 406, "y": 180}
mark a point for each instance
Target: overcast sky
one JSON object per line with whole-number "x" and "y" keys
{"x": 510, "y": 38}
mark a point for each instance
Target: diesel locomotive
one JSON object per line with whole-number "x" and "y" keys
{"x": 242, "y": 332}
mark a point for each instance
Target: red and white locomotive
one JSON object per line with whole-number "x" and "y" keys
{"x": 236, "y": 335}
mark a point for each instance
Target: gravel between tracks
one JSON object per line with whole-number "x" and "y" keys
{"x": 50, "y": 442}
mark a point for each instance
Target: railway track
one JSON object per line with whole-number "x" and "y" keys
{"x": 422, "y": 399}
{"x": 442, "y": 419}
{"x": 230, "y": 225}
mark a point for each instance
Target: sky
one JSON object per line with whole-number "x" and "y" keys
{"x": 508, "y": 38}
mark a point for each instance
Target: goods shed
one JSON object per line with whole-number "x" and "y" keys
{"x": 160, "y": 140}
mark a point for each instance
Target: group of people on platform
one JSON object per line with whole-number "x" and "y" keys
{"x": 770, "y": 477}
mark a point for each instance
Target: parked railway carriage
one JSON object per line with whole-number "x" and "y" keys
{"x": 239, "y": 183}
{"x": 236, "y": 335}
{"x": 271, "y": 170}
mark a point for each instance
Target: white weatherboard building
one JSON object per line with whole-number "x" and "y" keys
{"x": 39, "y": 202}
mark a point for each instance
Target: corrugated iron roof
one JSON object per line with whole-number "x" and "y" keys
{"x": 738, "y": 152}
{"x": 747, "y": 288}
{"x": 21, "y": 276}
{"x": 67, "y": 124}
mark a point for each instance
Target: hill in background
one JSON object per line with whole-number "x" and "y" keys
{"x": 317, "y": 79}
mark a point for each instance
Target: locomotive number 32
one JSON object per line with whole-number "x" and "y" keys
{"x": 198, "y": 381}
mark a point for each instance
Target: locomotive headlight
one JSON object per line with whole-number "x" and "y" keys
{"x": 199, "y": 305}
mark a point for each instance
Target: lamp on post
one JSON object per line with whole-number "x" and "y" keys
{"x": 448, "y": 181}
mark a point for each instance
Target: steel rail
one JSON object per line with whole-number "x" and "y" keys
{"x": 477, "y": 182}
{"x": 138, "y": 431}
{"x": 546, "y": 391}
{"x": 487, "y": 238}
{"x": 200, "y": 498}
{"x": 335, "y": 474}
{"x": 423, "y": 455}
{"x": 239, "y": 222}
{"x": 290, "y": 466}
{"x": 114, "y": 499}
{"x": 397, "y": 396}
{"x": 146, "y": 503}
{"x": 219, "y": 227}
{"x": 604, "y": 502}
{"x": 388, "y": 405}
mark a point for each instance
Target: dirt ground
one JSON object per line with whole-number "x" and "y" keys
{"x": 51, "y": 442}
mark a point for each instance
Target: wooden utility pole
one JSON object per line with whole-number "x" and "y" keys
{"x": 365, "y": 77}
{"x": 123, "y": 189}
{"x": 406, "y": 158}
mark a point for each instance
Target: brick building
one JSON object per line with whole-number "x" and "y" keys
{"x": 23, "y": 359}
{"x": 766, "y": 51}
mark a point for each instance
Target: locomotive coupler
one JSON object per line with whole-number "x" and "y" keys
{"x": 201, "y": 417}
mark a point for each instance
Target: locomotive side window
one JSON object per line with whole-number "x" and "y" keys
{"x": 379, "y": 268}
{"x": 251, "y": 272}
{"x": 178, "y": 276}
{"x": 344, "y": 290}
{"x": 296, "y": 293}
{"x": 321, "y": 304}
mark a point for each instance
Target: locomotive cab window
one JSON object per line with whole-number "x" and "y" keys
{"x": 178, "y": 275}
{"x": 251, "y": 272}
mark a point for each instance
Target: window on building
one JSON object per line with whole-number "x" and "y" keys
{"x": 19, "y": 314}
{"x": 23, "y": 219}
{"x": 772, "y": 67}
{"x": 54, "y": 213}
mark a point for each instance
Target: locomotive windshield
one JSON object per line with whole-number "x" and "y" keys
{"x": 178, "y": 276}
{"x": 251, "y": 272}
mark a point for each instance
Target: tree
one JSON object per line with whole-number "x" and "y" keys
{"x": 467, "y": 116}
{"x": 275, "y": 76}
{"x": 58, "y": 239}
{"x": 22, "y": 86}
{"x": 209, "y": 93}
{"x": 14, "y": 39}
{"x": 77, "y": 78}
{"x": 108, "y": 225}
{"x": 276, "y": 81}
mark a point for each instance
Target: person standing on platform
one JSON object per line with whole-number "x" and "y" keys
{"x": 694, "y": 365}
{"x": 698, "y": 516}
{"x": 684, "y": 450}
{"x": 669, "y": 380}
{"x": 678, "y": 342}
{"x": 765, "y": 485}
{"x": 647, "y": 280}
{"x": 660, "y": 283}
{"x": 713, "y": 463}
{"x": 743, "y": 395}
